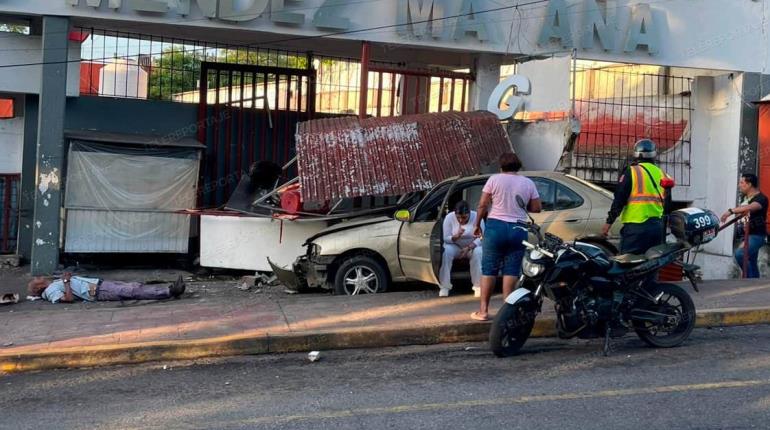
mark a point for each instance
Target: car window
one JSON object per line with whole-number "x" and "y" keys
{"x": 547, "y": 190}
{"x": 566, "y": 198}
{"x": 470, "y": 192}
{"x": 428, "y": 209}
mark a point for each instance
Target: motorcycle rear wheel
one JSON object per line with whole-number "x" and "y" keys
{"x": 510, "y": 330}
{"x": 675, "y": 302}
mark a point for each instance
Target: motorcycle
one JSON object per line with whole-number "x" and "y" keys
{"x": 595, "y": 294}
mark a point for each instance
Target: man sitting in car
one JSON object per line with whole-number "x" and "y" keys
{"x": 460, "y": 243}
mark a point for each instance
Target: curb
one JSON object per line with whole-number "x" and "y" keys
{"x": 108, "y": 355}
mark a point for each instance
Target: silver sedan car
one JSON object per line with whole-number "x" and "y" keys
{"x": 367, "y": 255}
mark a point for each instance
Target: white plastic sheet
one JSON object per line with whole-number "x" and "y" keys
{"x": 130, "y": 179}
{"x": 123, "y": 199}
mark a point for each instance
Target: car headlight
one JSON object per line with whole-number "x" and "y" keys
{"x": 531, "y": 269}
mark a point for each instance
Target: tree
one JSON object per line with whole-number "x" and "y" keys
{"x": 174, "y": 71}
{"x": 14, "y": 28}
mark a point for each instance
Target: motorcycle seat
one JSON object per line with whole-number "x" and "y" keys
{"x": 661, "y": 250}
{"x": 629, "y": 259}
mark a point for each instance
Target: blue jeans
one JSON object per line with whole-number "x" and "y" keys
{"x": 502, "y": 246}
{"x": 756, "y": 241}
{"x": 638, "y": 238}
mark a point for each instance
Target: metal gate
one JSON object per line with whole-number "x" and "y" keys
{"x": 9, "y": 212}
{"x": 416, "y": 91}
{"x": 248, "y": 113}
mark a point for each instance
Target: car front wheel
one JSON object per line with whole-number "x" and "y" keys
{"x": 360, "y": 274}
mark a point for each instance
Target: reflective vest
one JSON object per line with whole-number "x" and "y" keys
{"x": 646, "y": 199}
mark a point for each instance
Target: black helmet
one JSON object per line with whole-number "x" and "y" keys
{"x": 645, "y": 149}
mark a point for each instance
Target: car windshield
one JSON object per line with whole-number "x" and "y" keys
{"x": 594, "y": 187}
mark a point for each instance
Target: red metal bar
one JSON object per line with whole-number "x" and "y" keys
{"x": 423, "y": 73}
{"x": 364, "y": 82}
{"x": 452, "y": 96}
{"x": 239, "y": 149}
{"x": 252, "y": 117}
{"x": 203, "y": 126}
{"x": 274, "y": 153}
{"x": 462, "y": 101}
{"x": 393, "y": 89}
{"x": 266, "y": 118}
{"x": 745, "y": 248}
{"x": 379, "y": 94}
{"x": 417, "y": 96}
{"x": 441, "y": 95}
{"x": 228, "y": 131}
{"x": 215, "y": 150}
{"x": 404, "y": 93}
{"x": 287, "y": 117}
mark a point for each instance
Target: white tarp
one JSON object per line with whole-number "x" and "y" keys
{"x": 123, "y": 199}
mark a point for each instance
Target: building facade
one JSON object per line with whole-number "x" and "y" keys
{"x": 602, "y": 71}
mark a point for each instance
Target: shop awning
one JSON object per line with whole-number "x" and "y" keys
{"x": 349, "y": 157}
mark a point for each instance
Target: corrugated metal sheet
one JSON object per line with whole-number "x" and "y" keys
{"x": 349, "y": 157}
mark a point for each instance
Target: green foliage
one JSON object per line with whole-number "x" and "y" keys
{"x": 177, "y": 69}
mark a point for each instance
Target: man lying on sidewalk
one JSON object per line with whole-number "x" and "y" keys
{"x": 69, "y": 287}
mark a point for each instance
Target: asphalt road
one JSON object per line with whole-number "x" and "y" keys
{"x": 720, "y": 379}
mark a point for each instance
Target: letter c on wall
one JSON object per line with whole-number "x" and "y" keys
{"x": 520, "y": 85}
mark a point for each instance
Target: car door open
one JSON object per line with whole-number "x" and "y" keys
{"x": 419, "y": 241}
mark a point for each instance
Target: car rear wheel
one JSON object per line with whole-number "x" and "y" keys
{"x": 360, "y": 274}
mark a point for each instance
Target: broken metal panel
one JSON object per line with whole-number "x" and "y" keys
{"x": 390, "y": 156}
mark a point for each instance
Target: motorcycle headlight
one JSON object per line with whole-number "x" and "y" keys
{"x": 531, "y": 269}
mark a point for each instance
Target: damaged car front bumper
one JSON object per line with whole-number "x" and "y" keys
{"x": 306, "y": 272}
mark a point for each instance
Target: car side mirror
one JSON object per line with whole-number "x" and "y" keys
{"x": 403, "y": 215}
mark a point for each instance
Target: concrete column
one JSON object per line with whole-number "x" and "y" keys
{"x": 487, "y": 72}
{"x": 46, "y": 231}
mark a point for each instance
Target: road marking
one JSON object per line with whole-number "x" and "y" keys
{"x": 429, "y": 407}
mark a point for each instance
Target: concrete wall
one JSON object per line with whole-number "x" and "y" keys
{"x": 716, "y": 138}
{"x": 19, "y": 49}
{"x": 132, "y": 116}
{"x": 733, "y": 40}
{"x": 12, "y": 139}
{"x": 105, "y": 115}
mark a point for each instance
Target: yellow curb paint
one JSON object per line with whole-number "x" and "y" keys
{"x": 232, "y": 345}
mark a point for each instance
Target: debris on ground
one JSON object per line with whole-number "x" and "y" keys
{"x": 9, "y": 260}
{"x": 314, "y": 356}
{"x": 8, "y": 344}
{"x": 9, "y": 298}
{"x": 33, "y": 298}
{"x": 266, "y": 280}
{"x": 246, "y": 282}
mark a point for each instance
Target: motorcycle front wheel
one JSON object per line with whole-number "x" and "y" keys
{"x": 668, "y": 322}
{"x": 510, "y": 330}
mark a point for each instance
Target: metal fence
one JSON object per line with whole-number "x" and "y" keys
{"x": 617, "y": 106}
{"x": 9, "y": 212}
{"x": 133, "y": 65}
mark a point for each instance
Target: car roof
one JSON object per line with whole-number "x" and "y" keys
{"x": 540, "y": 173}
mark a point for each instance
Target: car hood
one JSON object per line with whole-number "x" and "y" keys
{"x": 347, "y": 225}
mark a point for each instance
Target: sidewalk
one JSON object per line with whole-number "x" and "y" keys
{"x": 216, "y": 319}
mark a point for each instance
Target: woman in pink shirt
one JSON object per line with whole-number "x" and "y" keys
{"x": 506, "y": 228}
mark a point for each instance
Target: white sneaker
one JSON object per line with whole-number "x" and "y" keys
{"x": 476, "y": 291}
{"x": 443, "y": 292}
